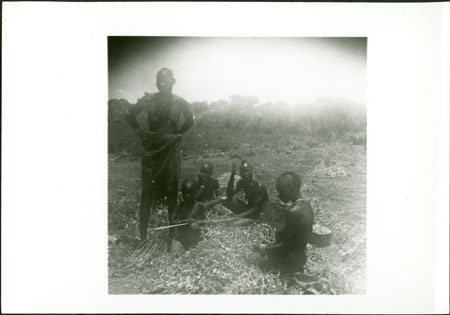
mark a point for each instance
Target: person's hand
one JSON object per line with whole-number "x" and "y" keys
{"x": 202, "y": 179}
{"x": 194, "y": 226}
{"x": 190, "y": 220}
{"x": 234, "y": 168}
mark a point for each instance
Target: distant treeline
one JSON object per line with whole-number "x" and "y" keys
{"x": 223, "y": 125}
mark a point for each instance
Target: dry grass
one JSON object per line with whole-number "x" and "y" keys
{"x": 221, "y": 264}
{"x": 334, "y": 182}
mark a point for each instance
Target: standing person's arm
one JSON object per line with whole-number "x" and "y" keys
{"x": 188, "y": 117}
{"x": 131, "y": 115}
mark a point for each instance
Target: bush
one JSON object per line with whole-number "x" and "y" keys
{"x": 223, "y": 125}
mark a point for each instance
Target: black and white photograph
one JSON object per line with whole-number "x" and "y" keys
{"x": 187, "y": 157}
{"x": 236, "y": 165}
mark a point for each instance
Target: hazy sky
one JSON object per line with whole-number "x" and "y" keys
{"x": 292, "y": 70}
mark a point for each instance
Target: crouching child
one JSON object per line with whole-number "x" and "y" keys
{"x": 256, "y": 195}
{"x": 209, "y": 190}
{"x": 187, "y": 211}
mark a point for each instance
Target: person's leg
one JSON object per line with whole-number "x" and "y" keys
{"x": 293, "y": 264}
{"x": 264, "y": 263}
{"x": 221, "y": 210}
{"x": 170, "y": 237}
{"x": 235, "y": 204}
{"x": 169, "y": 189}
{"x": 176, "y": 247}
{"x": 144, "y": 212}
{"x": 172, "y": 197}
{"x": 147, "y": 199}
{"x": 297, "y": 264}
{"x": 189, "y": 235}
{"x": 169, "y": 179}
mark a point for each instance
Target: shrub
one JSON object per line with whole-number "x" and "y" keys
{"x": 223, "y": 125}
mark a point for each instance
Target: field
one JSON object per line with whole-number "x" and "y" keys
{"x": 332, "y": 164}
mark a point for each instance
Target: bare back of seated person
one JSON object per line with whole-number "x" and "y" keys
{"x": 288, "y": 252}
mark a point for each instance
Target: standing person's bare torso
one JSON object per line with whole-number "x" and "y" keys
{"x": 163, "y": 113}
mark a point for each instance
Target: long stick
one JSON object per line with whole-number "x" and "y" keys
{"x": 220, "y": 220}
{"x": 169, "y": 226}
{"x": 181, "y": 224}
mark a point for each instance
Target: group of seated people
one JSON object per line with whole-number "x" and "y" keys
{"x": 287, "y": 253}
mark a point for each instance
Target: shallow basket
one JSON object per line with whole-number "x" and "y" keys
{"x": 321, "y": 236}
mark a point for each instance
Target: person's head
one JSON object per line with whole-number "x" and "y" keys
{"x": 246, "y": 171}
{"x": 207, "y": 169}
{"x": 165, "y": 80}
{"x": 189, "y": 188}
{"x": 288, "y": 186}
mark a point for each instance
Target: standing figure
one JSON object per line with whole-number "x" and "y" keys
{"x": 288, "y": 252}
{"x": 160, "y": 165}
{"x": 255, "y": 194}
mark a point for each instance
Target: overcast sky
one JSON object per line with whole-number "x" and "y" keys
{"x": 292, "y": 70}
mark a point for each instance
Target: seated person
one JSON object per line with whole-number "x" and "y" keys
{"x": 209, "y": 186}
{"x": 209, "y": 190}
{"x": 288, "y": 253}
{"x": 255, "y": 194}
{"x": 187, "y": 211}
